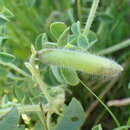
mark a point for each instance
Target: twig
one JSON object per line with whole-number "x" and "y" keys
{"x": 105, "y": 106}
{"x": 118, "y": 103}
{"x": 14, "y": 67}
{"x": 91, "y": 16}
{"x": 23, "y": 108}
{"x": 43, "y": 117}
{"x": 114, "y": 48}
{"x": 78, "y": 2}
{"x": 95, "y": 103}
{"x": 49, "y": 120}
{"x": 36, "y": 75}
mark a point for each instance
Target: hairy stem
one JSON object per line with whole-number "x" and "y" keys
{"x": 78, "y": 2}
{"x": 91, "y": 16}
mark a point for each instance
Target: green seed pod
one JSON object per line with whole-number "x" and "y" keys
{"x": 81, "y": 61}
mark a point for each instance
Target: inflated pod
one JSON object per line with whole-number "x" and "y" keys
{"x": 81, "y": 61}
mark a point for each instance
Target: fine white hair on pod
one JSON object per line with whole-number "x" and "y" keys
{"x": 85, "y": 62}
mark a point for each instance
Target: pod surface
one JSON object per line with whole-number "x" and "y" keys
{"x": 81, "y": 61}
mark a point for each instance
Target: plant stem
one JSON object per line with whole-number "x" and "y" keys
{"x": 43, "y": 117}
{"x": 91, "y": 16}
{"x": 114, "y": 48}
{"x": 14, "y": 67}
{"x": 36, "y": 75}
{"x": 105, "y": 106}
{"x": 78, "y": 3}
{"x": 119, "y": 102}
{"x": 48, "y": 120}
{"x": 22, "y": 108}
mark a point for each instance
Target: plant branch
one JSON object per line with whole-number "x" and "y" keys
{"x": 14, "y": 67}
{"x": 78, "y": 3}
{"x": 91, "y": 16}
{"x": 118, "y": 103}
{"x": 105, "y": 106}
{"x": 23, "y": 108}
{"x": 115, "y": 48}
{"x": 36, "y": 75}
{"x": 43, "y": 117}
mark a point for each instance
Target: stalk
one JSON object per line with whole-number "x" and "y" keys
{"x": 91, "y": 16}
{"x": 105, "y": 106}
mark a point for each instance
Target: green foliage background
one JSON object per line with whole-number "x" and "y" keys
{"x": 112, "y": 26}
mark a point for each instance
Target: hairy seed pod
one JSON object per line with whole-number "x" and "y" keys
{"x": 81, "y": 61}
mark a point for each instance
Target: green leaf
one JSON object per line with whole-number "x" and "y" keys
{"x": 49, "y": 77}
{"x": 72, "y": 118}
{"x": 122, "y": 128}
{"x": 6, "y": 57}
{"x": 50, "y": 45}
{"x": 70, "y": 76}
{"x": 62, "y": 40}
{"x": 3, "y": 72}
{"x": 30, "y": 3}
{"x": 18, "y": 92}
{"x": 57, "y": 29}
{"x": 10, "y": 120}
{"x": 97, "y": 127}
{"x": 3, "y": 19}
{"x": 128, "y": 123}
{"x": 40, "y": 41}
{"x": 38, "y": 126}
{"x": 56, "y": 72}
{"x": 75, "y": 28}
{"x": 92, "y": 38}
{"x": 87, "y": 41}
{"x": 21, "y": 128}
{"x": 7, "y": 13}
{"x": 106, "y": 18}
{"x": 72, "y": 39}
{"x": 5, "y": 99}
{"x": 2, "y": 39}
{"x": 83, "y": 41}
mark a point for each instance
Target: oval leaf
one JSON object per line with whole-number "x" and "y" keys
{"x": 72, "y": 118}
{"x": 62, "y": 40}
{"x": 7, "y": 13}
{"x": 57, "y": 29}
{"x": 6, "y": 57}
{"x": 3, "y": 19}
{"x": 70, "y": 76}
{"x": 56, "y": 73}
{"x": 75, "y": 28}
{"x": 2, "y": 39}
{"x": 10, "y": 120}
{"x": 83, "y": 41}
{"x": 92, "y": 39}
{"x": 40, "y": 41}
